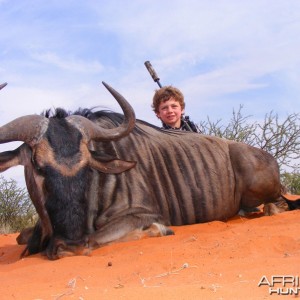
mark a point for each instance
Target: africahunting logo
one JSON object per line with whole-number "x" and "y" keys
{"x": 281, "y": 284}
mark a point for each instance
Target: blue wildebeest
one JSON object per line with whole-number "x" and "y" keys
{"x": 101, "y": 177}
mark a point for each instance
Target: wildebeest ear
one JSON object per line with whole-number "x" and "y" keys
{"x": 19, "y": 156}
{"x": 113, "y": 166}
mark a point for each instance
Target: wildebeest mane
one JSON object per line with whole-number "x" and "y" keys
{"x": 61, "y": 113}
{"x": 58, "y": 113}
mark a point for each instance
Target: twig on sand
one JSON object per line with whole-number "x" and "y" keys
{"x": 191, "y": 239}
{"x": 68, "y": 293}
{"x": 71, "y": 286}
{"x": 214, "y": 287}
{"x": 173, "y": 272}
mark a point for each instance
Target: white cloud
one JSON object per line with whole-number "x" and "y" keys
{"x": 67, "y": 63}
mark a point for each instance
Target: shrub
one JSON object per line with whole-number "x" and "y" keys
{"x": 16, "y": 208}
{"x": 292, "y": 182}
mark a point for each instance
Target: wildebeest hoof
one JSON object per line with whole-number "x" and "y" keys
{"x": 276, "y": 207}
{"x": 59, "y": 248}
{"x": 270, "y": 209}
{"x": 157, "y": 229}
{"x": 246, "y": 211}
{"x": 24, "y": 236}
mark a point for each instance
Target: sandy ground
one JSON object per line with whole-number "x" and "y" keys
{"x": 216, "y": 260}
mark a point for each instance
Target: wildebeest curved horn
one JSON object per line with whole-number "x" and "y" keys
{"x": 27, "y": 129}
{"x": 3, "y": 85}
{"x": 95, "y": 132}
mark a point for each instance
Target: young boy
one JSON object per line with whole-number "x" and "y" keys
{"x": 168, "y": 105}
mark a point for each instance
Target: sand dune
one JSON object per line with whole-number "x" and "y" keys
{"x": 216, "y": 260}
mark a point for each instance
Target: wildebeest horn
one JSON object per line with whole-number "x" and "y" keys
{"x": 95, "y": 132}
{"x": 27, "y": 129}
{"x": 3, "y": 85}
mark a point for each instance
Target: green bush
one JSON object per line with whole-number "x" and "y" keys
{"x": 16, "y": 208}
{"x": 292, "y": 182}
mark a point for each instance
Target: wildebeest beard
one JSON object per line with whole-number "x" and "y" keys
{"x": 66, "y": 203}
{"x": 66, "y": 195}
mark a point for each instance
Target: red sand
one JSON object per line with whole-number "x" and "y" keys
{"x": 216, "y": 260}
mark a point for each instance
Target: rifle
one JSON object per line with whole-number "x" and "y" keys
{"x": 186, "y": 120}
{"x": 3, "y": 85}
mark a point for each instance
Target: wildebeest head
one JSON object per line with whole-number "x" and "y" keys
{"x": 57, "y": 160}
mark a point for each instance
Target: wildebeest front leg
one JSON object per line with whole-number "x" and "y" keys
{"x": 126, "y": 228}
{"x": 59, "y": 248}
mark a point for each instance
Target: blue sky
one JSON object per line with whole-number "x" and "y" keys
{"x": 221, "y": 54}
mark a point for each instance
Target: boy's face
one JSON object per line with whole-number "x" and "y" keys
{"x": 170, "y": 112}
